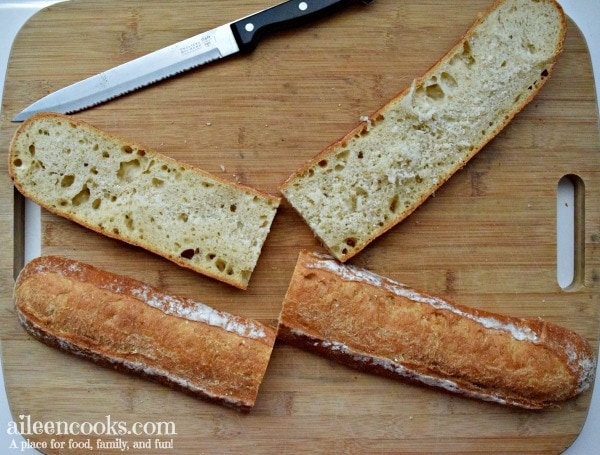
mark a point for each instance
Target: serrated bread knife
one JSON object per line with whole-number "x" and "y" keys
{"x": 228, "y": 39}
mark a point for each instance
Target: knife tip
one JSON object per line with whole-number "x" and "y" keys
{"x": 21, "y": 117}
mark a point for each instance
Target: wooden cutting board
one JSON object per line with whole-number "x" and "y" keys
{"x": 487, "y": 238}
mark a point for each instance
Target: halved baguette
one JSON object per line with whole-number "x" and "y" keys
{"x": 124, "y": 324}
{"x": 379, "y": 173}
{"x": 126, "y": 191}
{"x": 374, "y": 324}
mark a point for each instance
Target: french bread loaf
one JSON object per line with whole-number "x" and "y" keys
{"x": 380, "y": 172}
{"x": 376, "y": 325}
{"x": 126, "y": 191}
{"x": 132, "y": 327}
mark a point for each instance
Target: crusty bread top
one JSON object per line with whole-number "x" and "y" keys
{"x": 374, "y": 320}
{"x": 130, "y": 192}
{"x": 115, "y": 320}
{"x": 375, "y": 176}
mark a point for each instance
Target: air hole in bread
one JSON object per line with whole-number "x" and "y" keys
{"x": 221, "y": 265}
{"x": 96, "y": 203}
{"x": 183, "y": 217}
{"x": 188, "y": 254}
{"x": 32, "y": 149}
{"x": 232, "y": 208}
{"x": 434, "y": 92}
{"x": 81, "y": 197}
{"x": 246, "y": 274}
{"x": 447, "y": 80}
{"x": 157, "y": 182}
{"x": 211, "y": 256}
{"x": 342, "y": 155}
{"x": 95, "y": 147}
{"x": 129, "y": 170}
{"x": 105, "y": 154}
{"x": 127, "y": 149}
{"x": 67, "y": 181}
{"x": 323, "y": 163}
{"x": 394, "y": 203}
{"x": 465, "y": 56}
{"x": 350, "y": 241}
{"x": 18, "y": 162}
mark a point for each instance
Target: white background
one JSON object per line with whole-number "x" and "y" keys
{"x": 585, "y": 13}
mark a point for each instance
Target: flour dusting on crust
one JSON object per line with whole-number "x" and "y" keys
{"x": 172, "y": 305}
{"x": 352, "y": 273}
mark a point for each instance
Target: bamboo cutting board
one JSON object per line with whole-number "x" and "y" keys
{"x": 487, "y": 239}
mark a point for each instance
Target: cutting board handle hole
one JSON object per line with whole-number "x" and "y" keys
{"x": 570, "y": 235}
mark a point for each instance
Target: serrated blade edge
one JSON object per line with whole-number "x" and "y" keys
{"x": 171, "y": 60}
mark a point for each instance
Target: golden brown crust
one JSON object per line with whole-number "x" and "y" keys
{"x": 122, "y": 323}
{"x": 374, "y": 324}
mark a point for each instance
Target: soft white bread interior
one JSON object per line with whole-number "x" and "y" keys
{"x": 376, "y": 175}
{"x": 127, "y": 325}
{"x": 377, "y": 325}
{"x": 125, "y": 190}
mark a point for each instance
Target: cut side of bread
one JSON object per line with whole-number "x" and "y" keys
{"x": 379, "y": 326}
{"x": 126, "y": 191}
{"x": 127, "y": 325}
{"x": 379, "y": 173}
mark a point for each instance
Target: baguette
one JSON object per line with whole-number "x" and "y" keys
{"x": 129, "y": 192}
{"x": 127, "y": 325}
{"x": 376, "y": 325}
{"x": 379, "y": 173}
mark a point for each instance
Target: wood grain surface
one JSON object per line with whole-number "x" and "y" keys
{"x": 486, "y": 239}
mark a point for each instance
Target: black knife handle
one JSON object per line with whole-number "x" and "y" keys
{"x": 249, "y": 30}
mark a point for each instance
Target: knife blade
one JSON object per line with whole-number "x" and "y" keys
{"x": 240, "y": 36}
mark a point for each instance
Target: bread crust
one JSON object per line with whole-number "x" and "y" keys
{"x": 365, "y": 127}
{"x": 17, "y": 154}
{"x": 376, "y": 325}
{"x": 124, "y": 324}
